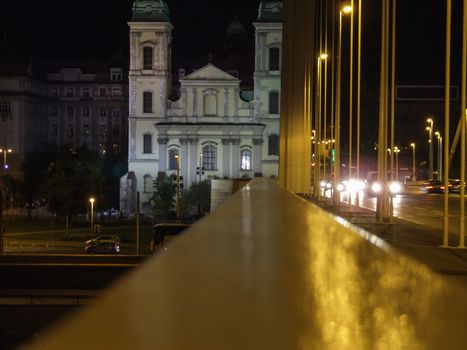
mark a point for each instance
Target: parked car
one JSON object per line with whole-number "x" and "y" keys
{"x": 103, "y": 247}
{"x": 100, "y": 238}
{"x": 111, "y": 213}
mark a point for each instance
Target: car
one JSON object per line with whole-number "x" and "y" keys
{"x": 107, "y": 237}
{"x": 103, "y": 247}
{"x": 455, "y": 186}
{"x": 434, "y": 186}
{"x": 111, "y": 213}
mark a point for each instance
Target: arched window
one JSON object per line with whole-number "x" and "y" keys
{"x": 209, "y": 157}
{"x": 147, "y": 57}
{"x": 273, "y": 144}
{"x": 147, "y": 143}
{"x": 274, "y": 58}
{"x": 245, "y": 159}
{"x": 147, "y": 102}
{"x": 172, "y": 159}
{"x": 147, "y": 183}
{"x": 273, "y": 102}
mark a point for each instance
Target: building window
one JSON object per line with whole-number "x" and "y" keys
{"x": 102, "y": 92}
{"x": 102, "y": 131}
{"x": 147, "y": 57}
{"x": 147, "y": 183}
{"x": 116, "y": 74}
{"x": 54, "y": 130}
{"x": 70, "y": 131}
{"x": 85, "y": 92}
{"x": 209, "y": 157}
{"x": 102, "y": 149}
{"x": 85, "y": 111}
{"x": 116, "y": 148}
{"x": 102, "y": 112}
{"x": 53, "y": 111}
{"x": 116, "y": 92}
{"x": 116, "y": 131}
{"x": 86, "y": 130}
{"x": 147, "y": 102}
{"x": 116, "y": 112}
{"x": 147, "y": 143}
{"x": 69, "y": 112}
{"x": 274, "y": 58}
{"x": 273, "y": 144}
{"x": 273, "y": 102}
{"x": 210, "y": 105}
{"x": 173, "y": 159}
{"x": 70, "y": 92}
{"x": 54, "y": 92}
{"x": 245, "y": 160}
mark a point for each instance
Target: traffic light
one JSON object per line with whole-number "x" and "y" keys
{"x": 181, "y": 182}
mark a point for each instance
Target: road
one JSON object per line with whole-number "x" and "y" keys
{"x": 421, "y": 208}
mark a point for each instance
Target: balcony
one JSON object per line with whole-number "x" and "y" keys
{"x": 269, "y": 270}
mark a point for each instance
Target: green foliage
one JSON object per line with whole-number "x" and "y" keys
{"x": 197, "y": 199}
{"x": 71, "y": 179}
{"x": 163, "y": 201}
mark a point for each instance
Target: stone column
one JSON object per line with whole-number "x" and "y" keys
{"x": 184, "y": 159}
{"x": 162, "y": 152}
{"x": 226, "y": 105}
{"x": 235, "y": 158}
{"x": 226, "y": 158}
{"x": 195, "y": 105}
{"x": 193, "y": 160}
{"x": 257, "y": 154}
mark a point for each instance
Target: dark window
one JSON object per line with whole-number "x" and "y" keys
{"x": 274, "y": 58}
{"x": 273, "y": 144}
{"x": 54, "y": 111}
{"x": 147, "y": 143}
{"x": 209, "y": 157}
{"x": 69, "y": 111}
{"x": 85, "y": 111}
{"x": 274, "y": 102}
{"x": 173, "y": 159}
{"x": 147, "y": 57}
{"x": 147, "y": 102}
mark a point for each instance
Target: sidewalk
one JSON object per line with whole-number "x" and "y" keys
{"x": 421, "y": 242}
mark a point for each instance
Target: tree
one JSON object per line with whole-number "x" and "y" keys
{"x": 71, "y": 179}
{"x": 198, "y": 198}
{"x": 163, "y": 202}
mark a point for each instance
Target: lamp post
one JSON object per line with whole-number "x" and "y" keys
{"x": 323, "y": 57}
{"x": 200, "y": 166}
{"x": 91, "y": 200}
{"x": 396, "y": 153}
{"x": 337, "y": 124}
{"x": 414, "y": 172}
{"x": 440, "y": 155}
{"x": 430, "y": 147}
{"x": 5, "y": 151}
{"x": 177, "y": 158}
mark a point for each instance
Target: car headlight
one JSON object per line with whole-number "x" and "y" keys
{"x": 395, "y": 187}
{"x": 340, "y": 187}
{"x": 376, "y": 187}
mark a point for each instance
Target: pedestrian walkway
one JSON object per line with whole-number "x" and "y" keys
{"x": 420, "y": 242}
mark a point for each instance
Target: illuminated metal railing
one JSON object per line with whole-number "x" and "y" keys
{"x": 268, "y": 270}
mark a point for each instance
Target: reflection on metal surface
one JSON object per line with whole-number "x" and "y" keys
{"x": 269, "y": 270}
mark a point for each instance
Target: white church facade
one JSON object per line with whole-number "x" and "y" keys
{"x": 210, "y": 126}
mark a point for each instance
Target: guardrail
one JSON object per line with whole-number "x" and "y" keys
{"x": 269, "y": 270}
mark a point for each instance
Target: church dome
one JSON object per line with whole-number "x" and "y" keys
{"x": 235, "y": 27}
{"x": 270, "y": 11}
{"x": 150, "y": 11}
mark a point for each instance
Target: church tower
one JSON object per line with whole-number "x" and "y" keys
{"x": 149, "y": 88}
{"x": 267, "y": 78}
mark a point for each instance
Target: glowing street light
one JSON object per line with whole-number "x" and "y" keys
{"x": 440, "y": 155}
{"x": 5, "y": 151}
{"x": 396, "y": 152}
{"x": 92, "y": 200}
{"x": 430, "y": 146}
{"x": 414, "y": 172}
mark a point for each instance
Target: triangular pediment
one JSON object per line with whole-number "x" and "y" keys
{"x": 209, "y": 72}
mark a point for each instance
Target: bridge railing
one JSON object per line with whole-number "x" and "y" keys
{"x": 269, "y": 270}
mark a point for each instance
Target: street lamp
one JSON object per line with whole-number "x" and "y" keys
{"x": 91, "y": 200}
{"x": 5, "y": 151}
{"x": 414, "y": 172}
{"x": 337, "y": 124}
{"x": 440, "y": 155}
{"x": 430, "y": 146}
{"x": 396, "y": 153}
{"x": 177, "y": 158}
